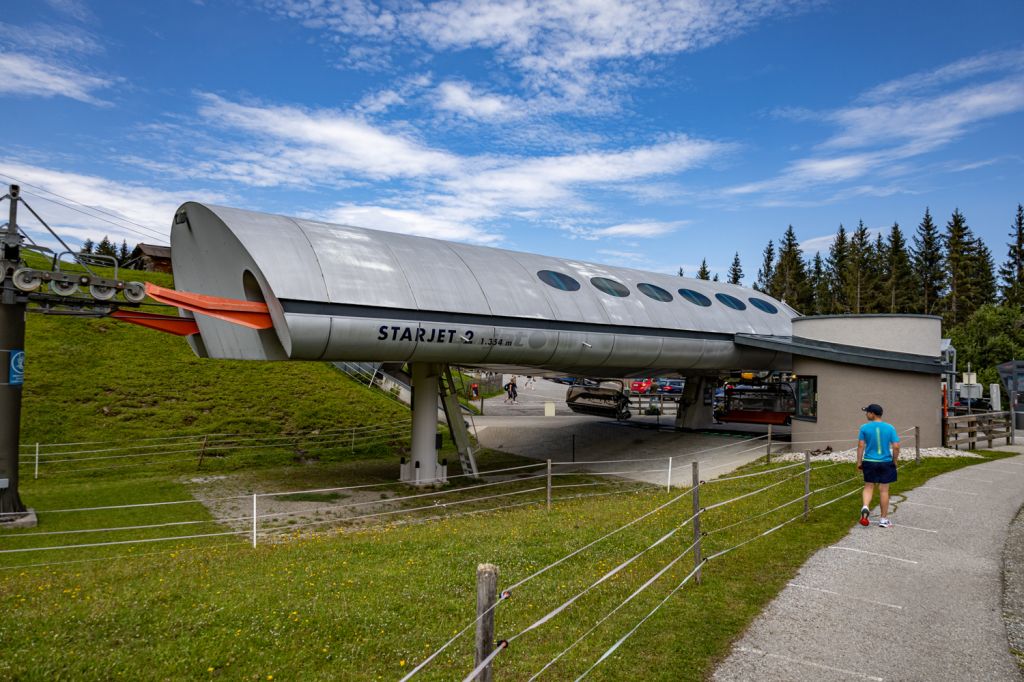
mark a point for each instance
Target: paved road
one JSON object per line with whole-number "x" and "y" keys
{"x": 920, "y": 601}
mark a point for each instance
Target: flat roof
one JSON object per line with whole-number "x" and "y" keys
{"x": 844, "y": 354}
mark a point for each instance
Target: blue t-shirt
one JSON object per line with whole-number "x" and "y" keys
{"x": 877, "y": 437}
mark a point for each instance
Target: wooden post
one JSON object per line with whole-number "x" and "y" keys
{"x": 486, "y": 597}
{"x": 807, "y": 484}
{"x": 202, "y": 452}
{"x": 549, "y": 486}
{"x": 917, "y": 445}
{"x": 37, "y": 460}
{"x": 768, "y": 450}
{"x": 696, "y": 520}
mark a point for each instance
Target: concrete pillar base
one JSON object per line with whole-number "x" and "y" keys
{"x": 27, "y": 520}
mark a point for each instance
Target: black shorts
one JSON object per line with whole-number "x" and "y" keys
{"x": 879, "y": 472}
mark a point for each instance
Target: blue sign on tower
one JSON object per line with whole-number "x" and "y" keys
{"x": 16, "y": 376}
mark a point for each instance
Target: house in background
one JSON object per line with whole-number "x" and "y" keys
{"x": 151, "y": 257}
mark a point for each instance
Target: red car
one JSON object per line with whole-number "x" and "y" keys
{"x": 641, "y": 385}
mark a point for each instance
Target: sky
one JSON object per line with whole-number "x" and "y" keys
{"x": 646, "y": 134}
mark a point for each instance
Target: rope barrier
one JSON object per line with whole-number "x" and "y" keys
{"x": 754, "y": 492}
{"x": 124, "y": 542}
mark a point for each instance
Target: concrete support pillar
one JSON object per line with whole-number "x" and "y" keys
{"x": 424, "y": 467}
{"x": 692, "y": 412}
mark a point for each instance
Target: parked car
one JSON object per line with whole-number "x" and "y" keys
{"x": 963, "y": 405}
{"x": 670, "y": 388}
{"x": 641, "y": 385}
{"x": 562, "y": 380}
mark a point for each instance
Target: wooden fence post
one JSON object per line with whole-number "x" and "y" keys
{"x": 549, "y": 486}
{"x": 696, "y": 521}
{"x": 917, "y": 445}
{"x": 486, "y": 597}
{"x": 768, "y": 450}
{"x": 202, "y": 452}
{"x": 807, "y": 484}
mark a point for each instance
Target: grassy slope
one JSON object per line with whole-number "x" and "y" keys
{"x": 100, "y": 379}
{"x": 366, "y": 606}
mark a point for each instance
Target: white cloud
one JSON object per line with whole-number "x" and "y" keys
{"x": 898, "y": 121}
{"x": 405, "y": 221}
{"x": 557, "y": 46}
{"x": 460, "y": 98}
{"x": 640, "y": 229}
{"x": 89, "y": 206}
{"x": 22, "y": 74}
{"x": 318, "y": 146}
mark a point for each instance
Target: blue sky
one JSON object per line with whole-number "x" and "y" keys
{"x": 644, "y": 134}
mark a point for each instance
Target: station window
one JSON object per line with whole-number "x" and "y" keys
{"x": 731, "y": 301}
{"x": 558, "y": 280}
{"x": 763, "y": 305}
{"x": 695, "y": 297}
{"x": 610, "y": 286}
{"x": 657, "y": 293}
{"x": 806, "y": 390}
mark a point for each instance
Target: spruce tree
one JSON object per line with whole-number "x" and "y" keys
{"x": 858, "y": 278}
{"x": 878, "y": 273}
{"x": 106, "y": 248}
{"x": 123, "y": 252}
{"x": 927, "y": 258}
{"x": 703, "y": 272}
{"x": 735, "y": 270}
{"x": 969, "y": 264}
{"x": 899, "y": 282}
{"x": 821, "y": 292}
{"x": 87, "y": 246}
{"x": 681, "y": 273}
{"x": 715, "y": 278}
{"x": 767, "y": 271}
{"x": 789, "y": 281}
{"x": 835, "y": 273}
{"x": 1011, "y": 291}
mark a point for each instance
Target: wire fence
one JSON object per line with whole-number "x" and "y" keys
{"x": 518, "y": 487}
{"x": 804, "y": 470}
{"x": 54, "y": 459}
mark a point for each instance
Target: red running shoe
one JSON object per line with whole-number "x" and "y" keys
{"x": 864, "y": 513}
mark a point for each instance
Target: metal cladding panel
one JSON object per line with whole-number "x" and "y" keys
{"x": 275, "y": 244}
{"x": 357, "y": 266}
{"x": 634, "y": 351}
{"x": 208, "y": 256}
{"x": 625, "y": 310}
{"x": 577, "y": 348}
{"x": 437, "y": 276}
{"x": 579, "y": 306}
{"x": 510, "y": 289}
{"x": 681, "y": 353}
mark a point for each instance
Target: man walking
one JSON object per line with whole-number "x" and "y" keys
{"x": 878, "y": 451}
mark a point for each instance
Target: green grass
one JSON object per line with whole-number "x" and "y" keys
{"x": 368, "y": 604}
{"x": 357, "y": 603}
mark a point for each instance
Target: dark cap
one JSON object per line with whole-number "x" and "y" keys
{"x": 873, "y": 409}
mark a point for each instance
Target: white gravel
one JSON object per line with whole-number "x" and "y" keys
{"x": 850, "y": 455}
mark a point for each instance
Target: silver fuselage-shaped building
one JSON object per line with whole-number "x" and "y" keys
{"x": 337, "y": 292}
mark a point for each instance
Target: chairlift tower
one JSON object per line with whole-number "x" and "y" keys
{"x": 21, "y": 285}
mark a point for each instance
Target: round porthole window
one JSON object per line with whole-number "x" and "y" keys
{"x": 610, "y": 286}
{"x": 558, "y": 280}
{"x": 695, "y": 297}
{"x": 731, "y": 301}
{"x": 763, "y": 305}
{"x": 657, "y": 293}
